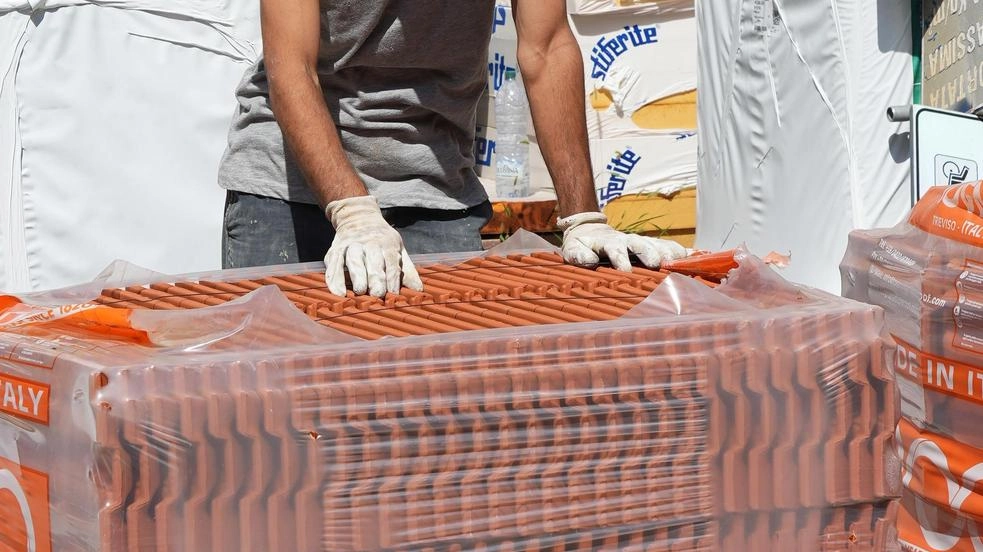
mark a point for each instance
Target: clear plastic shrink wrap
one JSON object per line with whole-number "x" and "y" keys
{"x": 927, "y": 274}
{"x": 516, "y": 404}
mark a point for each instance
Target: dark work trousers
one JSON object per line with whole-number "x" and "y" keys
{"x": 260, "y": 231}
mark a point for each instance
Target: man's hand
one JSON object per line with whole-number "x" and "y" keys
{"x": 587, "y": 236}
{"x": 372, "y": 251}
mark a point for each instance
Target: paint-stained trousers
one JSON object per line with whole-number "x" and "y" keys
{"x": 260, "y": 231}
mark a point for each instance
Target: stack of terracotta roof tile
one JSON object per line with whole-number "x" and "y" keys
{"x": 516, "y": 404}
{"x": 927, "y": 274}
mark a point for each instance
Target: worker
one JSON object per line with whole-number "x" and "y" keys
{"x": 353, "y": 139}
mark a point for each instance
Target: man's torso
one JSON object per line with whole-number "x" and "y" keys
{"x": 401, "y": 79}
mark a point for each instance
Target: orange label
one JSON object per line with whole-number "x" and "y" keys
{"x": 952, "y": 212}
{"x": 945, "y": 478}
{"x": 24, "y": 398}
{"x": 25, "y": 522}
{"x": 940, "y": 374}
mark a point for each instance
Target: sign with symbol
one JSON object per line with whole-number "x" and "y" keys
{"x": 945, "y": 149}
{"x": 953, "y": 170}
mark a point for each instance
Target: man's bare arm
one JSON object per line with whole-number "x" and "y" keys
{"x": 291, "y": 39}
{"x": 553, "y": 73}
{"x": 365, "y": 245}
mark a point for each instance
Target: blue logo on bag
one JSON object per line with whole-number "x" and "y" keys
{"x": 497, "y": 69}
{"x": 501, "y": 18}
{"x": 620, "y": 167}
{"x": 483, "y": 151}
{"x": 609, "y": 49}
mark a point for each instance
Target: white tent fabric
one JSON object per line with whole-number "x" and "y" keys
{"x": 113, "y": 119}
{"x": 13, "y": 265}
{"x": 239, "y": 17}
{"x": 795, "y": 147}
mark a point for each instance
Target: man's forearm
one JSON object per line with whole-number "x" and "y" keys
{"x": 291, "y": 39}
{"x": 554, "y": 80}
{"x": 311, "y": 135}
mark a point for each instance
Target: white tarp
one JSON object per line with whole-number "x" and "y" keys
{"x": 13, "y": 265}
{"x": 795, "y": 148}
{"x": 113, "y": 119}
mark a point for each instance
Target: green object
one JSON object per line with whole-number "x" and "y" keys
{"x": 916, "y": 48}
{"x": 510, "y": 73}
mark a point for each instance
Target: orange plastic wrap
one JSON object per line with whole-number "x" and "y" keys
{"x": 518, "y": 403}
{"x": 927, "y": 273}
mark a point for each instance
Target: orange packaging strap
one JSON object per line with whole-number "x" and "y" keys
{"x": 956, "y": 379}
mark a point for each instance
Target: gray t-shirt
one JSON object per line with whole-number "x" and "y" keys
{"x": 402, "y": 80}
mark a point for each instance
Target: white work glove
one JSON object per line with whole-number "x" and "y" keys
{"x": 587, "y": 236}
{"x": 372, "y": 250}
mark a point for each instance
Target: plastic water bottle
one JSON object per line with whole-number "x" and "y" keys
{"x": 512, "y": 141}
